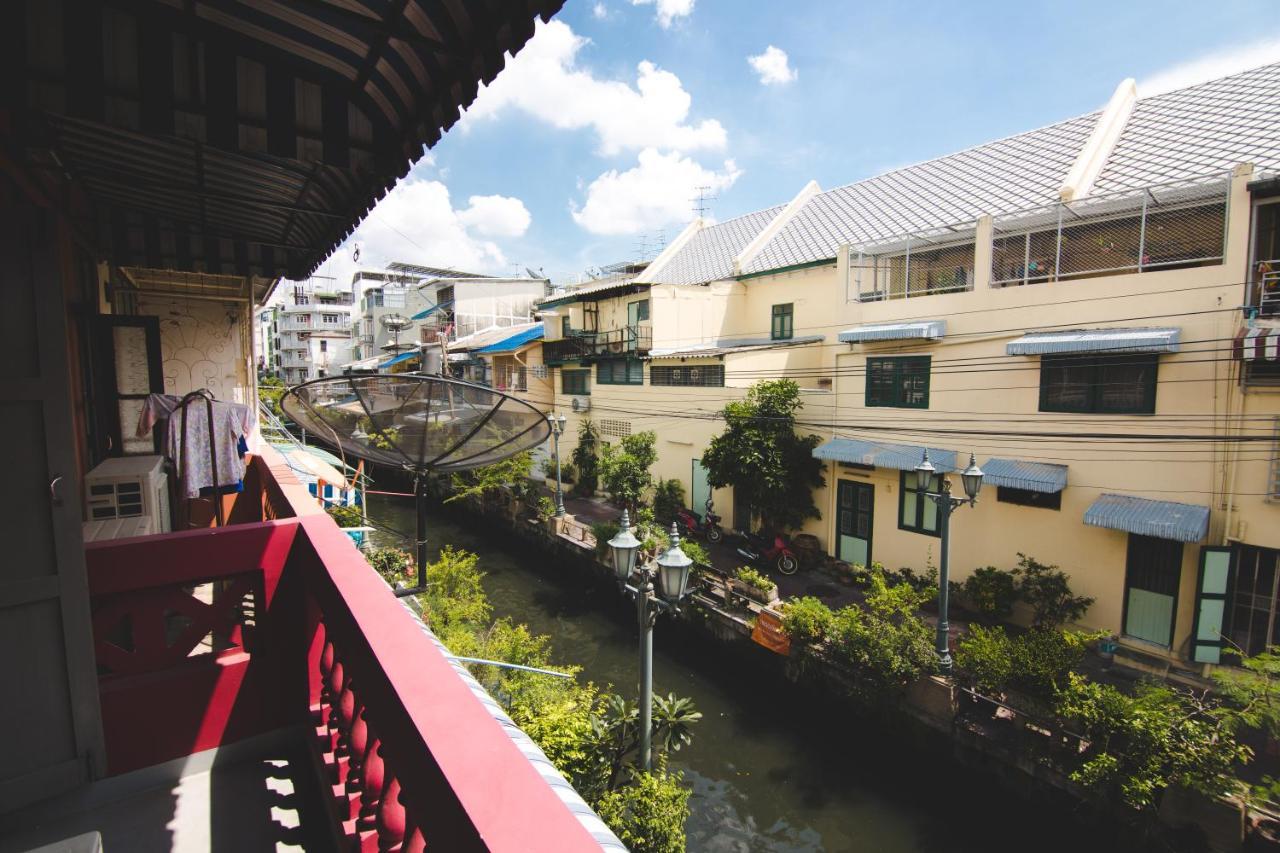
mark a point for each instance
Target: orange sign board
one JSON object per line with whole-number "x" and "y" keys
{"x": 768, "y": 633}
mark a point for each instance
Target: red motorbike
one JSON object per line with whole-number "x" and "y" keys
{"x": 765, "y": 551}
{"x": 707, "y": 525}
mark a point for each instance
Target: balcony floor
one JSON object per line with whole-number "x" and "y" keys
{"x": 264, "y": 798}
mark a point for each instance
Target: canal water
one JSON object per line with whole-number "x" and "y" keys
{"x": 770, "y": 771}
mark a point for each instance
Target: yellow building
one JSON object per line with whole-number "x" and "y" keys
{"x": 1088, "y": 308}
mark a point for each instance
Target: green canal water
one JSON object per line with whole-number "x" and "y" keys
{"x": 770, "y": 771}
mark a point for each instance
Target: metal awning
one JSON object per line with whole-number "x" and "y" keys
{"x": 402, "y": 357}
{"x": 1258, "y": 344}
{"x": 1020, "y": 474}
{"x": 514, "y": 342}
{"x": 931, "y": 330}
{"x": 900, "y": 457}
{"x": 1163, "y": 519}
{"x": 422, "y": 315}
{"x": 1096, "y": 340}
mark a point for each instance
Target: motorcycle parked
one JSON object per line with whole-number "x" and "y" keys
{"x": 764, "y": 551}
{"x": 707, "y": 525}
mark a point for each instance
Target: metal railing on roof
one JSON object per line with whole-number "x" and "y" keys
{"x": 1157, "y": 227}
{"x": 920, "y": 265}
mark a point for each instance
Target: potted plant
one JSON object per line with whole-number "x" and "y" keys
{"x": 755, "y": 585}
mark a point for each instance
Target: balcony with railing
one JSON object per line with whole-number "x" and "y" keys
{"x": 587, "y": 346}
{"x": 274, "y": 629}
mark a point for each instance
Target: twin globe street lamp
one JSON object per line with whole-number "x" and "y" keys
{"x": 557, "y": 429}
{"x": 938, "y": 490}
{"x": 672, "y": 570}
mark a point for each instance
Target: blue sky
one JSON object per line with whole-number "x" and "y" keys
{"x": 590, "y": 145}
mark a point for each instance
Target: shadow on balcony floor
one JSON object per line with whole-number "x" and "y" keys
{"x": 261, "y": 797}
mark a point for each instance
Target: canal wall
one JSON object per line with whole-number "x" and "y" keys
{"x": 933, "y": 716}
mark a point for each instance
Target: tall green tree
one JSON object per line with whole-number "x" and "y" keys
{"x": 624, "y": 467}
{"x": 761, "y": 456}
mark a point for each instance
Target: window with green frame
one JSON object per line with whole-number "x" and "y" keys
{"x": 917, "y": 512}
{"x": 575, "y": 381}
{"x": 1099, "y": 384}
{"x": 566, "y": 328}
{"x": 620, "y": 371}
{"x": 782, "y": 327}
{"x": 900, "y": 383}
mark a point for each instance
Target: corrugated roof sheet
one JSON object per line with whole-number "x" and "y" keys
{"x": 723, "y": 347}
{"x": 709, "y": 254}
{"x": 402, "y": 357}
{"x": 928, "y": 329}
{"x": 1096, "y": 340}
{"x": 599, "y": 289}
{"x": 1163, "y": 519}
{"x": 1020, "y": 474}
{"x": 514, "y": 342}
{"x": 901, "y": 457}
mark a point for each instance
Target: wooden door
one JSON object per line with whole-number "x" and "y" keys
{"x": 50, "y": 716}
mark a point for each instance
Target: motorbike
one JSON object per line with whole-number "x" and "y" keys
{"x": 707, "y": 525}
{"x": 764, "y": 551}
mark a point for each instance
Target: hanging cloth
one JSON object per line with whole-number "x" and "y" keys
{"x": 232, "y": 424}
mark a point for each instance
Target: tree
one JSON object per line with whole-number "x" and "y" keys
{"x": 648, "y": 815}
{"x": 585, "y": 459}
{"x": 270, "y": 390}
{"x": 484, "y": 481}
{"x": 624, "y": 467}
{"x": 769, "y": 466}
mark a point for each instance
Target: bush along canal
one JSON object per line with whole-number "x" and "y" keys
{"x": 780, "y": 761}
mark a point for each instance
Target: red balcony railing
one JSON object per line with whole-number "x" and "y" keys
{"x": 207, "y": 637}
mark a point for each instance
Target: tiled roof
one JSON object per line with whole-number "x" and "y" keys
{"x": 1199, "y": 130}
{"x": 709, "y": 254}
{"x": 1009, "y": 174}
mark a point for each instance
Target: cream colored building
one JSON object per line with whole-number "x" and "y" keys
{"x": 1088, "y": 308}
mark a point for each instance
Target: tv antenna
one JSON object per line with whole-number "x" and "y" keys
{"x": 700, "y": 202}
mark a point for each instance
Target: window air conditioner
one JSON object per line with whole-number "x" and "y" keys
{"x": 129, "y": 487}
{"x": 581, "y": 404}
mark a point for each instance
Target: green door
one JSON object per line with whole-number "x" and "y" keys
{"x": 701, "y": 492}
{"x": 1152, "y": 572}
{"x": 855, "y": 513}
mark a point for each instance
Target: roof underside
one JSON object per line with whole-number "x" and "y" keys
{"x": 237, "y": 138}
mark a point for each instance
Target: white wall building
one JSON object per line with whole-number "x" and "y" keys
{"x": 314, "y": 327}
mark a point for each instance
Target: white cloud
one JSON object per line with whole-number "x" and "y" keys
{"x": 418, "y": 223}
{"x": 496, "y": 215}
{"x": 1211, "y": 66}
{"x": 545, "y": 81}
{"x": 599, "y": 12}
{"x": 668, "y": 10}
{"x": 772, "y": 66}
{"x": 653, "y": 194}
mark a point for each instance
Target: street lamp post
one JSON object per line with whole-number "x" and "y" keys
{"x": 557, "y": 427}
{"x": 938, "y": 489}
{"x": 672, "y": 572}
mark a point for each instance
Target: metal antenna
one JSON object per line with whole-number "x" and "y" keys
{"x": 700, "y": 206}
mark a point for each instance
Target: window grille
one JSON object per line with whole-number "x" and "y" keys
{"x": 1099, "y": 384}
{"x": 702, "y": 375}
{"x": 1160, "y": 228}
{"x": 916, "y": 266}
{"x": 575, "y": 382}
{"x": 616, "y": 429}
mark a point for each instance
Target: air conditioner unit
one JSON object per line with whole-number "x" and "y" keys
{"x": 581, "y": 404}
{"x": 129, "y": 487}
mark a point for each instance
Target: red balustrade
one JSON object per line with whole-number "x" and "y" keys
{"x": 295, "y": 629}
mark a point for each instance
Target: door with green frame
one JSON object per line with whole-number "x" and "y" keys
{"x": 1152, "y": 572}
{"x": 701, "y": 491}
{"x": 855, "y": 512}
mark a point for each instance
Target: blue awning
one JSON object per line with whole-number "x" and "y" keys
{"x": 900, "y": 457}
{"x": 1096, "y": 340}
{"x": 422, "y": 315}
{"x": 514, "y": 342}
{"x": 928, "y": 329}
{"x": 402, "y": 357}
{"x": 1032, "y": 476}
{"x": 1163, "y": 519}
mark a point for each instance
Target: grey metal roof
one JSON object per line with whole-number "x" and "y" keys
{"x": 1189, "y": 133}
{"x": 618, "y": 283}
{"x": 1020, "y": 474}
{"x": 1195, "y": 131}
{"x": 731, "y": 345}
{"x": 928, "y": 329}
{"x": 901, "y": 457}
{"x": 1163, "y": 519}
{"x": 709, "y": 254}
{"x": 1096, "y": 340}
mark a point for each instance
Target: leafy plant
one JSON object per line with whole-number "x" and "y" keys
{"x": 770, "y": 467}
{"x": 695, "y": 551}
{"x": 603, "y": 531}
{"x": 585, "y": 458}
{"x": 1037, "y": 663}
{"x": 990, "y": 592}
{"x": 985, "y": 659}
{"x": 392, "y": 563}
{"x": 884, "y": 639}
{"x": 485, "y": 481}
{"x": 546, "y": 507}
{"x": 755, "y": 579}
{"x": 1047, "y": 590}
{"x": 624, "y": 467}
{"x": 807, "y": 620}
{"x": 568, "y": 472}
{"x": 270, "y": 390}
{"x": 345, "y": 516}
{"x": 649, "y": 814}
{"x": 668, "y": 499}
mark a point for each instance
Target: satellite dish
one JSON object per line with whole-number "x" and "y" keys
{"x": 395, "y": 322}
{"x": 420, "y": 423}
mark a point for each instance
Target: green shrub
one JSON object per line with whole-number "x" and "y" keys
{"x": 546, "y": 507}
{"x": 695, "y": 551}
{"x": 392, "y": 563}
{"x": 807, "y": 620}
{"x": 1047, "y": 590}
{"x": 985, "y": 659}
{"x": 755, "y": 579}
{"x": 604, "y": 531}
{"x": 668, "y": 498}
{"x": 345, "y": 516}
{"x": 649, "y": 814}
{"x": 990, "y": 592}
{"x": 1037, "y": 663}
{"x": 884, "y": 640}
{"x": 585, "y": 458}
{"x": 624, "y": 467}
